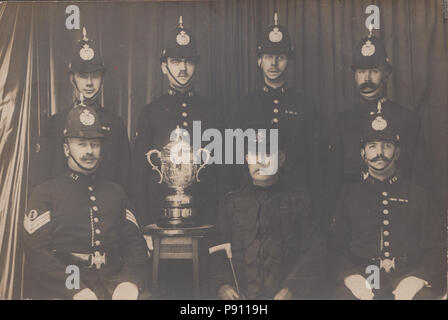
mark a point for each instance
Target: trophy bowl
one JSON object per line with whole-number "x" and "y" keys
{"x": 179, "y": 169}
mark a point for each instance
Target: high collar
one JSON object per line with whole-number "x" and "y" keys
{"x": 368, "y": 179}
{"x": 174, "y": 92}
{"x": 371, "y": 106}
{"x": 88, "y": 102}
{"x": 270, "y": 90}
{"x": 269, "y": 190}
{"x": 80, "y": 177}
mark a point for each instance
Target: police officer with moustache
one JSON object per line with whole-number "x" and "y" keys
{"x": 372, "y": 70}
{"x": 86, "y": 72}
{"x": 277, "y": 246}
{"x": 277, "y": 104}
{"x": 389, "y": 222}
{"x": 80, "y": 219}
{"x": 178, "y": 108}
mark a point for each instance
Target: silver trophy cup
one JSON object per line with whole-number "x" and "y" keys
{"x": 178, "y": 170}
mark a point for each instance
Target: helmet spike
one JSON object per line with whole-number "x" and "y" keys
{"x": 84, "y": 34}
{"x": 275, "y": 18}
{"x": 81, "y": 98}
{"x": 379, "y": 107}
{"x": 370, "y": 30}
{"x": 181, "y": 22}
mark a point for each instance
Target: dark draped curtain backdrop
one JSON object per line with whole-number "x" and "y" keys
{"x": 35, "y": 46}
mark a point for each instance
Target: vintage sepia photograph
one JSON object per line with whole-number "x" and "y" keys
{"x": 213, "y": 150}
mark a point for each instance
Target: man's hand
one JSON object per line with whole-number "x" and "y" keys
{"x": 125, "y": 291}
{"x": 358, "y": 286}
{"x": 227, "y": 292}
{"x": 85, "y": 294}
{"x": 283, "y": 294}
{"x": 408, "y": 288}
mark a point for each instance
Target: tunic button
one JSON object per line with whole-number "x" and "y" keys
{"x": 385, "y": 193}
{"x": 386, "y": 222}
{"x": 90, "y": 188}
{"x": 275, "y": 120}
{"x": 385, "y": 202}
{"x": 184, "y": 114}
{"x": 386, "y": 254}
{"x": 386, "y": 233}
{"x": 185, "y": 124}
{"x": 385, "y": 211}
{"x": 97, "y": 242}
{"x": 184, "y": 105}
{"x": 95, "y": 208}
{"x": 96, "y": 220}
{"x": 93, "y": 198}
{"x": 386, "y": 243}
{"x": 276, "y": 101}
{"x": 97, "y": 231}
{"x": 275, "y": 110}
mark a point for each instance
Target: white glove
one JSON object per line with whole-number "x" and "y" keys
{"x": 125, "y": 291}
{"x": 408, "y": 288}
{"x": 85, "y": 294}
{"x": 359, "y": 286}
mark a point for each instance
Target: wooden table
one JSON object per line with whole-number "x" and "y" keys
{"x": 182, "y": 243}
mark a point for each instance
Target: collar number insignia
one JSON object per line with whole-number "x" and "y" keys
{"x": 368, "y": 49}
{"x": 182, "y": 38}
{"x": 87, "y": 118}
{"x": 379, "y": 124}
{"x": 275, "y": 35}
{"x": 86, "y": 53}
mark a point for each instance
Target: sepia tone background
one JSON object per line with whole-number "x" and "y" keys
{"x": 35, "y": 46}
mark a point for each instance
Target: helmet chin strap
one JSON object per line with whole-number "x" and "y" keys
{"x": 81, "y": 166}
{"x": 178, "y": 83}
{"x": 93, "y": 98}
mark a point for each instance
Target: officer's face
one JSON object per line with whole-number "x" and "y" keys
{"x": 87, "y": 83}
{"x": 370, "y": 81}
{"x": 264, "y": 168}
{"x": 180, "y": 69}
{"x": 379, "y": 155}
{"x": 85, "y": 151}
{"x": 273, "y": 65}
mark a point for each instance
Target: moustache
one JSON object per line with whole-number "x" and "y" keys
{"x": 380, "y": 157}
{"x": 182, "y": 74}
{"x": 88, "y": 158}
{"x": 369, "y": 85}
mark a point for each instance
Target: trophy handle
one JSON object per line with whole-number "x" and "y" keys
{"x": 205, "y": 162}
{"x": 148, "y": 156}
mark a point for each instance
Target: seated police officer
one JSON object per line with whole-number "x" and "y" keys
{"x": 79, "y": 219}
{"x": 389, "y": 224}
{"x": 275, "y": 237}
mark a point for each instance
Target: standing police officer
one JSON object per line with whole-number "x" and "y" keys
{"x": 372, "y": 70}
{"x": 86, "y": 72}
{"x": 388, "y": 222}
{"x": 81, "y": 220}
{"x": 179, "y": 107}
{"x": 274, "y": 103}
